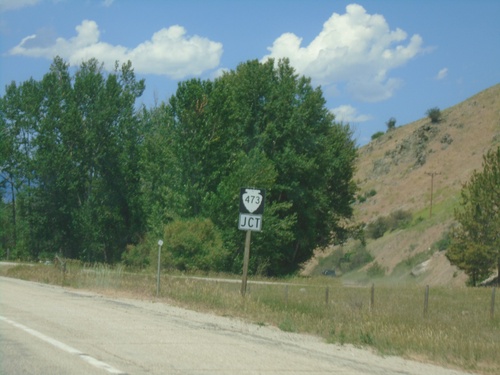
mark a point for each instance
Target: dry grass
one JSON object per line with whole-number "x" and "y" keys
{"x": 457, "y": 330}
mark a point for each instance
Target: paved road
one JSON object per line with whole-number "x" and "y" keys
{"x": 51, "y": 330}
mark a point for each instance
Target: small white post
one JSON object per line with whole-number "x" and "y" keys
{"x": 160, "y": 244}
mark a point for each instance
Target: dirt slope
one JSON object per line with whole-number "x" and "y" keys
{"x": 400, "y": 167}
{"x": 397, "y": 165}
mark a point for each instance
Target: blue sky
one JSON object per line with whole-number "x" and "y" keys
{"x": 373, "y": 59}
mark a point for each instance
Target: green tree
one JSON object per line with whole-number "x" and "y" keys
{"x": 391, "y": 124}
{"x": 377, "y": 135}
{"x": 4, "y": 217}
{"x": 262, "y": 125}
{"x": 475, "y": 242}
{"x": 4, "y": 224}
{"x": 193, "y": 244}
{"x": 74, "y": 165}
{"x": 161, "y": 186}
{"x": 252, "y": 169}
{"x": 20, "y": 112}
{"x": 434, "y": 114}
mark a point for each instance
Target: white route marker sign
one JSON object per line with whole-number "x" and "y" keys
{"x": 251, "y": 209}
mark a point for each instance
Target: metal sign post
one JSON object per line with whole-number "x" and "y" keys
{"x": 251, "y": 210}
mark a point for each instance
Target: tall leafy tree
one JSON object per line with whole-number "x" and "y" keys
{"x": 191, "y": 139}
{"x": 165, "y": 197}
{"x": 20, "y": 111}
{"x": 475, "y": 245}
{"x": 262, "y": 125}
{"x": 4, "y": 220}
{"x": 55, "y": 172}
{"x": 5, "y": 236}
{"x": 75, "y": 142}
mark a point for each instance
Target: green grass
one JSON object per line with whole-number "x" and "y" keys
{"x": 442, "y": 211}
{"x": 457, "y": 330}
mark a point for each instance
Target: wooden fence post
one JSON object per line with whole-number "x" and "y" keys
{"x": 372, "y": 297}
{"x": 426, "y": 300}
{"x": 492, "y": 310}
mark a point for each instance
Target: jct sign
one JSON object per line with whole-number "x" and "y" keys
{"x": 250, "y": 222}
{"x": 251, "y": 209}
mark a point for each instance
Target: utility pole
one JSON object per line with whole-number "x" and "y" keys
{"x": 432, "y": 174}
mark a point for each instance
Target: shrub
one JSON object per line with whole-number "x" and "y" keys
{"x": 399, "y": 219}
{"x": 377, "y": 135}
{"x": 444, "y": 243}
{"x": 137, "y": 256}
{"x": 434, "y": 114}
{"x": 368, "y": 194}
{"x": 193, "y": 244}
{"x": 377, "y": 228}
{"x": 396, "y": 220}
{"x": 362, "y": 198}
{"x": 375, "y": 270}
{"x": 391, "y": 124}
{"x": 353, "y": 259}
{"x": 359, "y": 257}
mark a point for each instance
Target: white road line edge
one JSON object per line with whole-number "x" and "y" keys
{"x": 91, "y": 360}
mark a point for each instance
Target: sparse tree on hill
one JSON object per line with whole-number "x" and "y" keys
{"x": 434, "y": 114}
{"x": 391, "y": 124}
{"x": 475, "y": 245}
{"x": 377, "y": 135}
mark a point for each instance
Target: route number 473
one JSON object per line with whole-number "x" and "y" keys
{"x": 253, "y": 199}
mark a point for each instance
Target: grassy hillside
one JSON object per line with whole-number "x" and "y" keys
{"x": 396, "y": 171}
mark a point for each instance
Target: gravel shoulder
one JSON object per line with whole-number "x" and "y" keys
{"x": 144, "y": 336}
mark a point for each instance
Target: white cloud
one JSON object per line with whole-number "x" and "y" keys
{"x": 349, "y": 114}
{"x": 169, "y": 52}
{"x": 219, "y": 73}
{"x": 442, "y": 74}
{"x": 6, "y": 5}
{"x": 107, "y": 3}
{"x": 354, "y": 48}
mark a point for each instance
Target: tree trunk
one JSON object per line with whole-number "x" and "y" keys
{"x": 14, "y": 227}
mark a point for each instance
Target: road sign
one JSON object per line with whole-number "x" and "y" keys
{"x": 252, "y": 201}
{"x": 250, "y": 222}
{"x": 251, "y": 210}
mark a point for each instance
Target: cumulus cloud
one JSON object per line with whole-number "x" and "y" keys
{"x": 169, "y": 52}
{"x": 355, "y": 48}
{"x": 349, "y": 114}
{"x": 6, "y": 5}
{"x": 442, "y": 74}
{"x": 219, "y": 73}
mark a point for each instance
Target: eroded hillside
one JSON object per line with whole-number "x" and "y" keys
{"x": 398, "y": 170}
{"x": 398, "y": 165}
